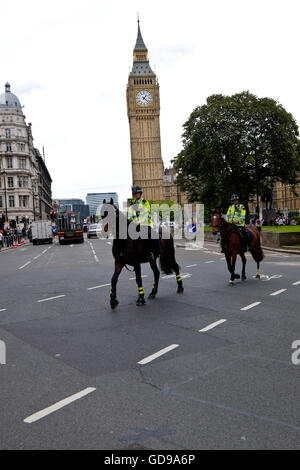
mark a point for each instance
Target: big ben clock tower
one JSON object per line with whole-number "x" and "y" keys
{"x": 143, "y": 109}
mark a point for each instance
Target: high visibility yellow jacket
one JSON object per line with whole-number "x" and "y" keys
{"x": 140, "y": 212}
{"x": 236, "y": 215}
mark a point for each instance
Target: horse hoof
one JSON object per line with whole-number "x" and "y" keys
{"x": 231, "y": 283}
{"x": 244, "y": 278}
{"x": 114, "y": 303}
{"x": 237, "y": 276}
{"x": 140, "y": 302}
{"x": 151, "y": 296}
{"x": 180, "y": 290}
{"x": 257, "y": 276}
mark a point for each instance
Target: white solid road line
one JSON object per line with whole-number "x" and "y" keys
{"x": 60, "y": 404}
{"x": 158, "y": 354}
{"x": 2, "y": 309}
{"x": 251, "y": 306}
{"x": 296, "y": 283}
{"x": 51, "y": 298}
{"x": 278, "y": 292}
{"x": 26, "y": 264}
{"x": 97, "y": 287}
{"x": 212, "y": 325}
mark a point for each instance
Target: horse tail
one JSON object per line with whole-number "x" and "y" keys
{"x": 255, "y": 250}
{"x": 167, "y": 255}
{"x": 257, "y": 254}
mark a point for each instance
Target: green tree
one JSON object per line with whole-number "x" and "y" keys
{"x": 237, "y": 144}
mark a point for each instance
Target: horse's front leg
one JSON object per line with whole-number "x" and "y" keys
{"x": 113, "y": 290}
{"x": 138, "y": 278}
{"x": 156, "y": 279}
{"x": 233, "y": 275}
{"x": 243, "y": 257}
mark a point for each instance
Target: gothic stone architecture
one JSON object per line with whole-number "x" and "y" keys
{"x": 143, "y": 108}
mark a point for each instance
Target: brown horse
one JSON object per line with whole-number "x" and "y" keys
{"x": 232, "y": 245}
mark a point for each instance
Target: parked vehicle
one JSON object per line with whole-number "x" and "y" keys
{"x": 41, "y": 232}
{"x": 69, "y": 228}
{"x": 94, "y": 230}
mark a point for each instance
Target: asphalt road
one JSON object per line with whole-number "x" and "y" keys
{"x": 207, "y": 369}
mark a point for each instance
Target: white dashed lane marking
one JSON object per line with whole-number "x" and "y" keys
{"x": 60, "y": 404}
{"x": 212, "y": 325}
{"x": 24, "y": 265}
{"x": 148, "y": 359}
{"x": 251, "y": 306}
{"x": 52, "y": 298}
{"x": 278, "y": 292}
{"x": 98, "y": 287}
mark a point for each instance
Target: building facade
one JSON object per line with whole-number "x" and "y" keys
{"x": 25, "y": 183}
{"x": 95, "y": 201}
{"x": 74, "y": 205}
{"x": 143, "y": 109}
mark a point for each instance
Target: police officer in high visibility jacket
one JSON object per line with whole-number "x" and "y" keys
{"x": 139, "y": 212}
{"x": 236, "y": 215}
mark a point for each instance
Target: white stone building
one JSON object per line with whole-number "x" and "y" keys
{"x": 20, "y": 178}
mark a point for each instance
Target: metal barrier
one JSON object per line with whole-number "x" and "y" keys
{"x": 12, "y": 240}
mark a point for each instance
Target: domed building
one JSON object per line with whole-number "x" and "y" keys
{"x": 25, "y": 183}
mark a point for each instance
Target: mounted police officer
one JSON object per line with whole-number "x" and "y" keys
{"x": 236, "y": 215}
{"x": 139, "y": 212}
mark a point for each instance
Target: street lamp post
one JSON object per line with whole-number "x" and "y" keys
{"x": 33, "y": 200}
{"x": 5, "y": 196}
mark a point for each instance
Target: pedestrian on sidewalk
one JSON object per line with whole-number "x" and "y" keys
{"x": 1, "y": 239}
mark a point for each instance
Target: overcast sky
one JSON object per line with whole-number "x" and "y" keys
{"x": 68, "y": 63}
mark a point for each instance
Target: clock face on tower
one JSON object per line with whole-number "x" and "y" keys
{"x": 144, "y": 98}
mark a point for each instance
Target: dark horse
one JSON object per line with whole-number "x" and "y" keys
{"x": 232, "y": 245}
{"x": 127, "y": 251}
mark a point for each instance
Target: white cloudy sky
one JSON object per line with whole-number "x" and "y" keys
{"x": 68, "y": 62}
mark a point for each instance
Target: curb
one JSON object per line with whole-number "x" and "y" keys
{"x": 183, "y": 245}
{"x": 6, "y": 249}
{"x": 281, "y": 250}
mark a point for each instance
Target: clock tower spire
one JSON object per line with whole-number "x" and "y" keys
{"x": 143, "y": 109}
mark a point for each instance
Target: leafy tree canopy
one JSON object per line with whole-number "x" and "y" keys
{"x": 237, "y": 144}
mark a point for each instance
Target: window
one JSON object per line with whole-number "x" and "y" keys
{"x": 1, "y": 204}
{"x": 22, "y": 163}
{"x": 20, "y": 147}
{"x": 0, "y": 162}
{"x": 24, "y": 200}
{"x": 9, "y": 162}
{"x": 7, "y": 132}
{"x": 11, "y": 201}
{"x": 8, "y": 148}
{"x": 23, "y": 181}
{"x": 19, "y": 132}
{"x": 10, "y": 181}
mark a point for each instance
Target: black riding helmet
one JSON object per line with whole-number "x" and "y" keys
{"x": 136, "y": 189}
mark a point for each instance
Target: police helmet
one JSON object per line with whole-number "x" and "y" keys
{"x": 136, "y": 189}
{"x": 235, "y": 196}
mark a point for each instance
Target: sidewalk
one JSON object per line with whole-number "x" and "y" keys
{"x": 9, "y": 248}
{"x": 193, "y": 246}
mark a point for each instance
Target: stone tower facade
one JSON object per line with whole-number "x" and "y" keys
{"x": 143, "y": 109}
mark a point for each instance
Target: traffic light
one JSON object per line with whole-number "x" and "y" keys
{"x": 53, "y": 215}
